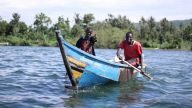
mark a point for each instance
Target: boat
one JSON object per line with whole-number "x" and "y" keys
{"x": 86, "y": 70}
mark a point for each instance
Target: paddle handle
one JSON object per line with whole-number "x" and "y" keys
{"x": 143, "y": 73}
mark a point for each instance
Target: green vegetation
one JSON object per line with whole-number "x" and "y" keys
{"x": 163, "y": 34}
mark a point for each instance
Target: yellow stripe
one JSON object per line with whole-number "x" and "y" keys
{"x": 76, "y": 74}
{"x": 76, "y": 62}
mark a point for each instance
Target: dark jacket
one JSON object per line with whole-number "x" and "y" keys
{"x": 85, "y": 44}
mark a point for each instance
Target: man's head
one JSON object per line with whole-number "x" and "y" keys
{"x": 129, "y": 37}
{"x": 88, "y": 31}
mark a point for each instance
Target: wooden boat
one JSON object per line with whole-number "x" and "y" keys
{"x": 85, "y": 70}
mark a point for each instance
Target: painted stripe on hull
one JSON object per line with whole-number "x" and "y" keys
{"x": 76, "y": 62}
{"x": 76, "y": 74}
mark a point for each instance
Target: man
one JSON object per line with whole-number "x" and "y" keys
{"x": 132, "y": 50}
{"x": 87, "y": 42}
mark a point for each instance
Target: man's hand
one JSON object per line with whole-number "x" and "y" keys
{"x": 120, "y": 58}
{"x": 141, "y": 66}
{"x": 93, "y": 39}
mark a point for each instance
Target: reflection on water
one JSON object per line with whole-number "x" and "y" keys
{"x": 129, "y": 92}
{"x": 124, "y": 93}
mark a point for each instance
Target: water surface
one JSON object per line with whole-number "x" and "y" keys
{"x": 34, "y": 77}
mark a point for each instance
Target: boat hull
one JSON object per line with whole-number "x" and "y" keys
{"x": 88, "y": 70}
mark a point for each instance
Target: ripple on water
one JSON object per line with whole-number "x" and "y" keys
{"x": 28, "y": 101}
{"x": 34, "y": 77}
{"x": 170, "y": 101}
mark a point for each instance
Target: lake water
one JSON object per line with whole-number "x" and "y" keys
{"x": 33, "y": 77}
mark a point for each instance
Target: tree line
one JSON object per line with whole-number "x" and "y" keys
{"x": 163, "y": 34}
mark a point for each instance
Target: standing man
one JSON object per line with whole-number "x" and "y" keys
{"x": 87, "y": 42}
{"x": 132, "y": 50}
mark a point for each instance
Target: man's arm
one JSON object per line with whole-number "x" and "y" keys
{"x": 140, "y": 51}
{"x": 79, "y": 42}
{"x": 141, "y": 60}
{"x": 118, "y": 53}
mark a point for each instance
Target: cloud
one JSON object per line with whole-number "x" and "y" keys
{"x": 133, "y": 9}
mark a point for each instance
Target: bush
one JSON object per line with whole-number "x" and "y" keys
{"x": 146, "y": 44}
{"x": 168, "y": 46}
{"x": 24, "y": 43}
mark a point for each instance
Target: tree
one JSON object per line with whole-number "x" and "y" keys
{"x": 88, "y": 18}
{"x": 22, "y": 28}
{"x": 121, "y": 22}
{"x": 13, "y": 27}
{"x": 151, "y": 25}
{"x": 42, "y": 22}
{"x": 77, "y": 30}
{"x": 16, "y": 18}
{"x": 143, "y": 28}
{"x": 78, "y": 20}
{"x": 181, "y": 27}
{"x": 3, "y": 27}
{"x": 187, "y": 33}
{"x": 63, "y": 25}
{"x": 164, "y": 23}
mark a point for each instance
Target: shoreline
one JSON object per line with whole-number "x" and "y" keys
{"x": 4, "y": 43}
{"x": 144, "y": 48}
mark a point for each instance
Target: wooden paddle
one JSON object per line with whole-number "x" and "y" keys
{"x": 139, "y": 70}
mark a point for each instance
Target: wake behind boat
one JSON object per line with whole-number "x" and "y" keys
{"x": 85, "y": 70}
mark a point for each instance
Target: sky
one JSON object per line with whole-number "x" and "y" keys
{"x": 133, "y": 9}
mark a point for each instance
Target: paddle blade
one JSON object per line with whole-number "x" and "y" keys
{"x": 146, "y": 75}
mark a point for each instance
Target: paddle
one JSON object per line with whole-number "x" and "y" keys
{"x": 139, "y": 70}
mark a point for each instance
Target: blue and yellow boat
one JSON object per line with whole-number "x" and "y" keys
{"x": 85, "y": 70}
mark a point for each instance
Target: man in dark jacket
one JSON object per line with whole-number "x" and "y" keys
{"x": 87, "y": 42}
